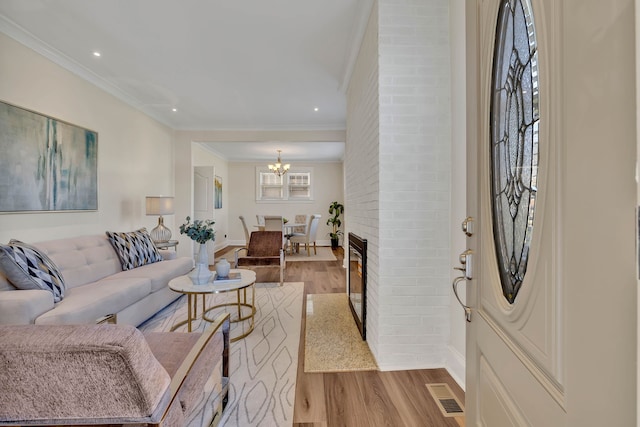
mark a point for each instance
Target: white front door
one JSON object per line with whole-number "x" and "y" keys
{"x": 551, "y": 190}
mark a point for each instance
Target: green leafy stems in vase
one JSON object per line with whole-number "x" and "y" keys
{"x": 199, "y": 230}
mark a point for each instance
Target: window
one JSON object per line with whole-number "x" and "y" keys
{"x": 514, "y": 128}
{"x": 296, "y": 185}
{"x": 299, "y": 185}
{"x": 270, "y": 186}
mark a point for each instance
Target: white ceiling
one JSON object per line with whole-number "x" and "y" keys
{"x": 267, "y": 151}
{"x": 223, "y": 64}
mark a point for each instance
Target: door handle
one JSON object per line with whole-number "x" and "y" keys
{"x": 466, "y": 268}
{"x": 466, "y": 264}
{"x": 467, "y": 309}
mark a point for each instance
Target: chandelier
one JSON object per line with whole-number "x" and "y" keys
{"x": 279, "y": 169}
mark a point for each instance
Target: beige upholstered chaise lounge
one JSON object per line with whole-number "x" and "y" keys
{"x": 112, "y": 375}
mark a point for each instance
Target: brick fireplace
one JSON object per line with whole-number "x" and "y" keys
{"x": 357, "y": 284}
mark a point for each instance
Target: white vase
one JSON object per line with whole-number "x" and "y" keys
{"x": 201, "y": 273}
{"x": 222, "y": 268}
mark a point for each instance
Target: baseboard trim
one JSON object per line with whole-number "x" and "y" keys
{"x": 455, "y": 365}
{"x": 242, "y": 243}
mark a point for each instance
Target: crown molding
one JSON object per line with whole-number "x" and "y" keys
{"x": 24, "y": 37}
{"x": 364, "y": 11}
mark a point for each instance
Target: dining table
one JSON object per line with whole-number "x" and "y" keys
{"x": 287, "y": 226}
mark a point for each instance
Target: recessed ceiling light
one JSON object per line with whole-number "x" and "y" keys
{"x": 96, "y": 53}
{"x": 174, "y": 109}
{"x": 315, "y": 108}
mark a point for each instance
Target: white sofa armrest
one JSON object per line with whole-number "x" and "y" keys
{"x": 22, "y": 307}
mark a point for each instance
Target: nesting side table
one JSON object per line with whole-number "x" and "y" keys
{"x": 184, "y": 285}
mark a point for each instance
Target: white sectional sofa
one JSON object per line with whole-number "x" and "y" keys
{"x": 96, "y": 285}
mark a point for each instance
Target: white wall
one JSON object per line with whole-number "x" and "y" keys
{"x": 203, "y": 157}
{"x": 184, "y": 162}
{"x": 637, "y": 26}
{"x": 415, "y": 168}
{"x": 361, "y": 167}
{"x": 328, "y": 187}
{"x": 135, "y": 153}
{"x": 407, "y": 222}
{"x": 455, "y": 362}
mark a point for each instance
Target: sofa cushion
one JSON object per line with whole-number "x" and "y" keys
{"x": 134, "y": 248}
{"x": 29, "y": 268}
{"x": 82, "y": 259}
{"x": 84, "y": 304}
{"x": 159, "y": 273}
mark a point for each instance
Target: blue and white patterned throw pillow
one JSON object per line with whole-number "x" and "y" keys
{"x": 29, "y": 268}
{"x": 134, "y": 248}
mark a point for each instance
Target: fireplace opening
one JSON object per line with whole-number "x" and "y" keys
{"x": 357, "y": 283}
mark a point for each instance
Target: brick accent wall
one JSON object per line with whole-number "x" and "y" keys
{"x": 362, "y": 186}
{"x": 397, "y": 172}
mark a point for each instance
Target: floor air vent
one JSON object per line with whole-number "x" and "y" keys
{"x": 449, "y": 405}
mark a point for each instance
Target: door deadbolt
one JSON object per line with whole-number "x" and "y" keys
{"x": 467, "y": 226}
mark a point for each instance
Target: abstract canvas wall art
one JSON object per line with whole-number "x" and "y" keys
{"x": 47, "y": 165}
{"x": 218, "y": 193}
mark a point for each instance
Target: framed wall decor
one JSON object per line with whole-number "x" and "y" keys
{"x": 217, "y": 199}
{"x": 47, "y": 165}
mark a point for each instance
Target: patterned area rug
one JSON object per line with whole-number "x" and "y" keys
{"x": 324, "y": 254}
{"x": 264, "y": 364}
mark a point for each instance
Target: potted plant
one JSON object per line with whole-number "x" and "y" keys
{"x": 201, "y": 232}
{"x": 336, "y": 209}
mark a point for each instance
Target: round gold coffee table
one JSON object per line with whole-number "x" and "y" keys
{"x": 184, "y": 285}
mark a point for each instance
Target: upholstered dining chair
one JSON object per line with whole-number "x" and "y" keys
{"x": 273, "y": 223}
{"x": 299, "y": 229}
{"x": 309, "y": 237}
{"x": 246, "y": 230}
{"x": 264, "y": 250}
{"x": 260, "y": 220}
{"x": 300, "y": 219}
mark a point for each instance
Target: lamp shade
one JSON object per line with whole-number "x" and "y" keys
{"x": 159, "y": 205}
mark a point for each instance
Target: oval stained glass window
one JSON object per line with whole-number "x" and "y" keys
{"x": 514, "y": 121}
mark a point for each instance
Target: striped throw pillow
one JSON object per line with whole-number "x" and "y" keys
{"x": 26, "y": 267}
{"x": 134, "y": 248}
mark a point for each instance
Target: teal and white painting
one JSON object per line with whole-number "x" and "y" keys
{"x": 217, "y": 195}
{"x": 46, "y": 164}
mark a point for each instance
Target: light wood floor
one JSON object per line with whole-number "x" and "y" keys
{"x": 369, "y": 398}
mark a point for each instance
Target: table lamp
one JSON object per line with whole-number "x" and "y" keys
{"x": 160, "y": 205}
